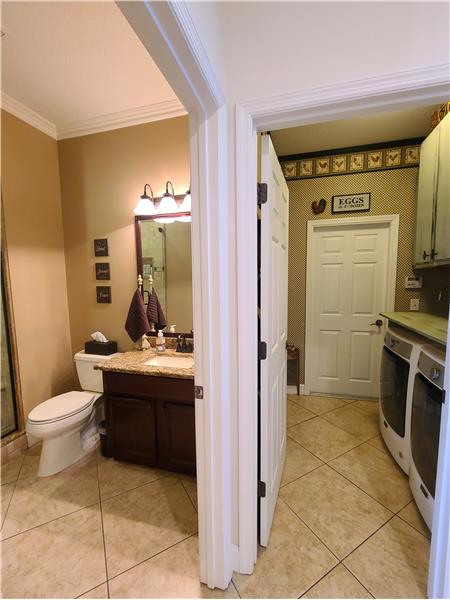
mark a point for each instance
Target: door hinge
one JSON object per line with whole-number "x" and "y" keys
{"x": 261, "y": 489}
{"x": 198, "y": 392}
{"x": 262, "y": 351}
{"x": 262, "y": 193}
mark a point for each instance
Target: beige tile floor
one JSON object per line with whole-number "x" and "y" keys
{"x": 345, "y": 525}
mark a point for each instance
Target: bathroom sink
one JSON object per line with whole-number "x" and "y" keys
{"x": 177, "y": 362}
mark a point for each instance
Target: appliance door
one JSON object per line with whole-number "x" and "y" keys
{"x": 393, "y": 389}
{"x": 425, "y": 426}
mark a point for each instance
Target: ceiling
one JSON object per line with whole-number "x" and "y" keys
{"x": 384, "y": 127}
{"x": 72, "y": 63}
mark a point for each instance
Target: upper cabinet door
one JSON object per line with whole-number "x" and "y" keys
{"x": 442, "y": 228}
{"x": 425, "y": 197}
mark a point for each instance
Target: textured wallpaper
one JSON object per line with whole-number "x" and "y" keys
{"x": 393, "y": 192}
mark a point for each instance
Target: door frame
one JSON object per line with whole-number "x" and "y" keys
{"x": 223, "y": 177}
{"x": 313, "y": 226}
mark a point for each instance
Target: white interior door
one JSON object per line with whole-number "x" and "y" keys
{"x": 349, "y": 282}
{"x": 274, "y": 296}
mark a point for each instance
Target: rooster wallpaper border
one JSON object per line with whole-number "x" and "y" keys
{"x": 342, "y": 162}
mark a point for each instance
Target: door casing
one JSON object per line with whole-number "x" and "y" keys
{"x": 393, "y": 222}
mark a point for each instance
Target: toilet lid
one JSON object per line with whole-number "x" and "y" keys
{"x": 62, "y": 406}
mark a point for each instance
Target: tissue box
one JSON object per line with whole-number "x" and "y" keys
{"x": 103, "y": 348}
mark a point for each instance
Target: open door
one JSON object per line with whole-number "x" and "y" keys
{"x": 273, "y": 333}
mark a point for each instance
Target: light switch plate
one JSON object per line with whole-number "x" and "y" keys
{"x": 414, "y": 304}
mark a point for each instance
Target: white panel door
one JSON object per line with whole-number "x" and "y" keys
{"x": 348, "y": 277}
{"x": 274, "y": 295}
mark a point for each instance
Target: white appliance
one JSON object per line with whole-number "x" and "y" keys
{"x": 67, "y": 424}
{"x": 428, "y": 397}
{"x": 398, "y": 365}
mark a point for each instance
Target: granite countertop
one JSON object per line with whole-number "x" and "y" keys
{"x": 430, "y": 326}
{"x": 133, "y": 362}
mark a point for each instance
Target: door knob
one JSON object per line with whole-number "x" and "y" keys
{"x": 378, "y": 323}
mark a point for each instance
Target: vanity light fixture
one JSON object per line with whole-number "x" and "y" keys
{"x": 145, "y": 205}
{"x": 186, "y": 208}
{"x": 167, "y": 206}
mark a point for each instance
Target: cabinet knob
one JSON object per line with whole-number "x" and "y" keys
{"x": 435, "y": 374}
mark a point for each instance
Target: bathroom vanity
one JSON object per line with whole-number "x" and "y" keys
{"x": 150, "y": 410}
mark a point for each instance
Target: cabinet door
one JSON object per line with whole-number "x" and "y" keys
{"x": 131, "y": 429}
{"x": 425, "y": 197}
{"x": 176, "y": 436}
{"x": 442, "y": 228}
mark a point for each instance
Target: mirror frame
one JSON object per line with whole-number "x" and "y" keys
{"x": 138, "y": 219}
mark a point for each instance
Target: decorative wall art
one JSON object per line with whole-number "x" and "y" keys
{"x": 103, "y": 294}
{"x": 102, "y": 271}
{"x": 101, "y": 247}
{"x": 318, "y": 207}
{"x": 351, "y": 203}
{"x": 341, "y": 162}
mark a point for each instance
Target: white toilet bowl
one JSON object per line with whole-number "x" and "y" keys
{"x": 67, "y": 424}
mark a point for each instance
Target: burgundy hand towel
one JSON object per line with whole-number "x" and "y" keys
{"x": 155, "y": 313}
{"x": 137, "y": 323}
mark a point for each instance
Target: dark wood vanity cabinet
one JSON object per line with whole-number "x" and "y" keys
{"x": 150, "y": 420}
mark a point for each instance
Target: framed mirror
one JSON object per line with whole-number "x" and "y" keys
{"x": 163, "y": 251}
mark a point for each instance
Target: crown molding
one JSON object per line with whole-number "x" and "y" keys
{"x": 125, "y": 118}
{"x": 422, "y": 85}
{"x": 31, "y": 117}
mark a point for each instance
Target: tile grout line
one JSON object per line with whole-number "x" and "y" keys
{"x": 12, "y": 494}
{"x": 103, "y": 526}
{"x": 95, "y": 586}
{"x": 50, "y": 521}
{"x": 132, "y": 489}
{"x": 235, "y": 587}
{"x": 311, "y": 530}
{"x": 353, "y": 575}
{"x": 152, "y": 556}
{"x": 188, "y": 495}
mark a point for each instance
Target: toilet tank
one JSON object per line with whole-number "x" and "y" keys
{"x": 91, "y": 380}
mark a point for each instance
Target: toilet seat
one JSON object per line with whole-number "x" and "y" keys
{"x": 62, "y": 406}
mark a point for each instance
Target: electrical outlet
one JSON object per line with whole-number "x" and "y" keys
{"x": 414, "y": 304}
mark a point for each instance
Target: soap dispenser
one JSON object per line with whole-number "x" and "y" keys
{"x": 160, "y": 342}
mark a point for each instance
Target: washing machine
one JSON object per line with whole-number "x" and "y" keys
{"x": 401, "y": 352}
{"x": 427, "y": 400}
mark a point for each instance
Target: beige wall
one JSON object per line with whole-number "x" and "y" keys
{"x": 393, "y": 192}
{"x": 102, "y": 176}
{"x": 34, "y": 236}
{"x": 179, "y": 276}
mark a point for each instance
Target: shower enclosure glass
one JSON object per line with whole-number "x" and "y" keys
{"x": 8, "y": 393}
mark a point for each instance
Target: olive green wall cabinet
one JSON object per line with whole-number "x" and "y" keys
{"x": 433, "y": 199}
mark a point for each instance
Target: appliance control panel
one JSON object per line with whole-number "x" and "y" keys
{"x": 432, "y": 370}
{"x": 397, "y": 345}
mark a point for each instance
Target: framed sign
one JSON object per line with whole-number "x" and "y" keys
{"x": 350, "y": 203}
{"x": 101, "y": 247}
{"x": 103, "y": 294}
{"x": 102, "y": 271}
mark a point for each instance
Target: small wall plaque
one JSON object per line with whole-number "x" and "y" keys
{"x": 101, "y": 247}
{"x": 102, "y": 271}
{"x": 104, "y": 294}
{"x": 351, "y": 203}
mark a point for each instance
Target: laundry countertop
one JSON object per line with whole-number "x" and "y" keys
{"x": 133, "y": 362}
{"x": 430, "y": 326}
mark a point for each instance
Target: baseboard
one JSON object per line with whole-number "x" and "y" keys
{"x": 235, "y": 557}
{"x": 292, "y": 389}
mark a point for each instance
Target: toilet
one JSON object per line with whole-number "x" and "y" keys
{"x": 67, "y": 424}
